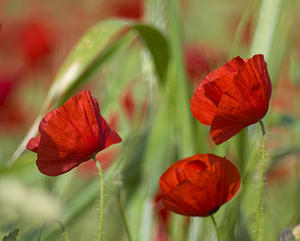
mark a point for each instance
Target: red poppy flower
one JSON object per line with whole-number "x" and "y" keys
{"x": 70, "y": 135}
{"x": 199, "y": 185}
{"x": 233, "y": 97}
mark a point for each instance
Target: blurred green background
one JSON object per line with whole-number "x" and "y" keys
{"x": 143, "y": 80}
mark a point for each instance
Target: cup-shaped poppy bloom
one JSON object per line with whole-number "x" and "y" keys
{"x": 233, "y": 97}
{"x": 70, "y": 135}
{"x": 199, "y": 185}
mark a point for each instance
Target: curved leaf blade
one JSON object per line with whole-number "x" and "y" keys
{"x": 89, "y": 54}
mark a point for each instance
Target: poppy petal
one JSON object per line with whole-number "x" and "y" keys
{"x": 203, "y": 102}
{"x": 191, "y": 200}
{"x": 33, "y": 144}
{"x": 199, "y": 185}
{"x": 245, "y": 102}
{"x": 71, "y": 134}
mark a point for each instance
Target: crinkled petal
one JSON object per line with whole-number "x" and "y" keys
{"x": 245, "y": 103}
{"x": 71, "y": 134}
{"x": 208, "y": 94}
{"x": 33, "y": 143}
{"x": 207, "y": 182}
{"x": 191, "y": 200}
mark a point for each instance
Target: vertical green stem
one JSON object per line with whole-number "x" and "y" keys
{"x": 64, "y": 231}
{"x": 216, "y": 227}
{"x": 261, "y": 181}
{"x": 101, "y": 199}
{"x": 123, "y": 216}
{"x": 266, "y": 25}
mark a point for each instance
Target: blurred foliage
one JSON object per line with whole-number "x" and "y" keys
{"x": 12, "y": 236}
{"x": 145, "y": 57}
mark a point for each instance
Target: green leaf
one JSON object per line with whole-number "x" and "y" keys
{"x": 12, "y": 236}
{"x": 180, "y": 83}
{"x": 90, "y": 53}
{"x": 158, "y": 47}
{"x": 266, "y": 25}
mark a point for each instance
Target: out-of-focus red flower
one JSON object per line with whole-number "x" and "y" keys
{"x": 70, "y": 135}
{"x": 160, "y": 209}
{"x": 285, "y": 87}
{"x": 11, "y": 115}
{"x": 5, "y": 88}
{"x": 199, "y": 60}
{"x": 247, "y": 32}
{"x": 286, "y": 169}
{"x": 233, "y": 97}
{"x": 199, "y": 185}
{"x": 161, "y": 233}
{"x": 105, "y": 157}
{"x": 163, "y": 216}
{"x": 133, "y": 9}
{"x": 36, "y": 41}
{"x": 128, "y": 104}
{"x": 114, "y": 121}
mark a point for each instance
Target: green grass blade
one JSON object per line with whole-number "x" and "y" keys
{"x": 91, "y": 52}
{"x": 266, "y": 25}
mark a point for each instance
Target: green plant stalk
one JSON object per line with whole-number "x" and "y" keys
{"x": 65, "y": 232}
{"x": 101, "y": 199}
{"x": 194, "y": 230}
{"x": 179, "y": 82}
{"x": 146, "y": 221}
{"x": 261, "y": 182}
{"x": 123, "y": 216}
{"x": 266, "y": 25}
{"x": 241, "y": 27}
{"x": 216, "y": 227}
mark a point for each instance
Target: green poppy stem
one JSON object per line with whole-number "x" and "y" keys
{"x": 101, "y": 199}
{"x": 65, "y": 232}
{"x": 216, "y": 227}
{"x": 123, "y": 216}
{"x": 261, "y": 181}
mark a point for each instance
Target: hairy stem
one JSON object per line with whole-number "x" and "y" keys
{"x": 101, "y": 199}
{"x": 261, "y": 181}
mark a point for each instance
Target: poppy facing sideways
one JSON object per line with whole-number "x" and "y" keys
{"x": 70, "y": 135}
{"x": 233, "y": 97}
{"x": 199, "y": 185}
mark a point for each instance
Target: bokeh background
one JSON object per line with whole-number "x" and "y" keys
{"x": 35, "y": 39}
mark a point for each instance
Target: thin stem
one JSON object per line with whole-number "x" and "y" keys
{"x": 261, "y": 181}
{"x": 101, "y": 199}
{"x": 216, "y": 227}
{"x": 62, "y": 227}
{"x": 123, "y": 216}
